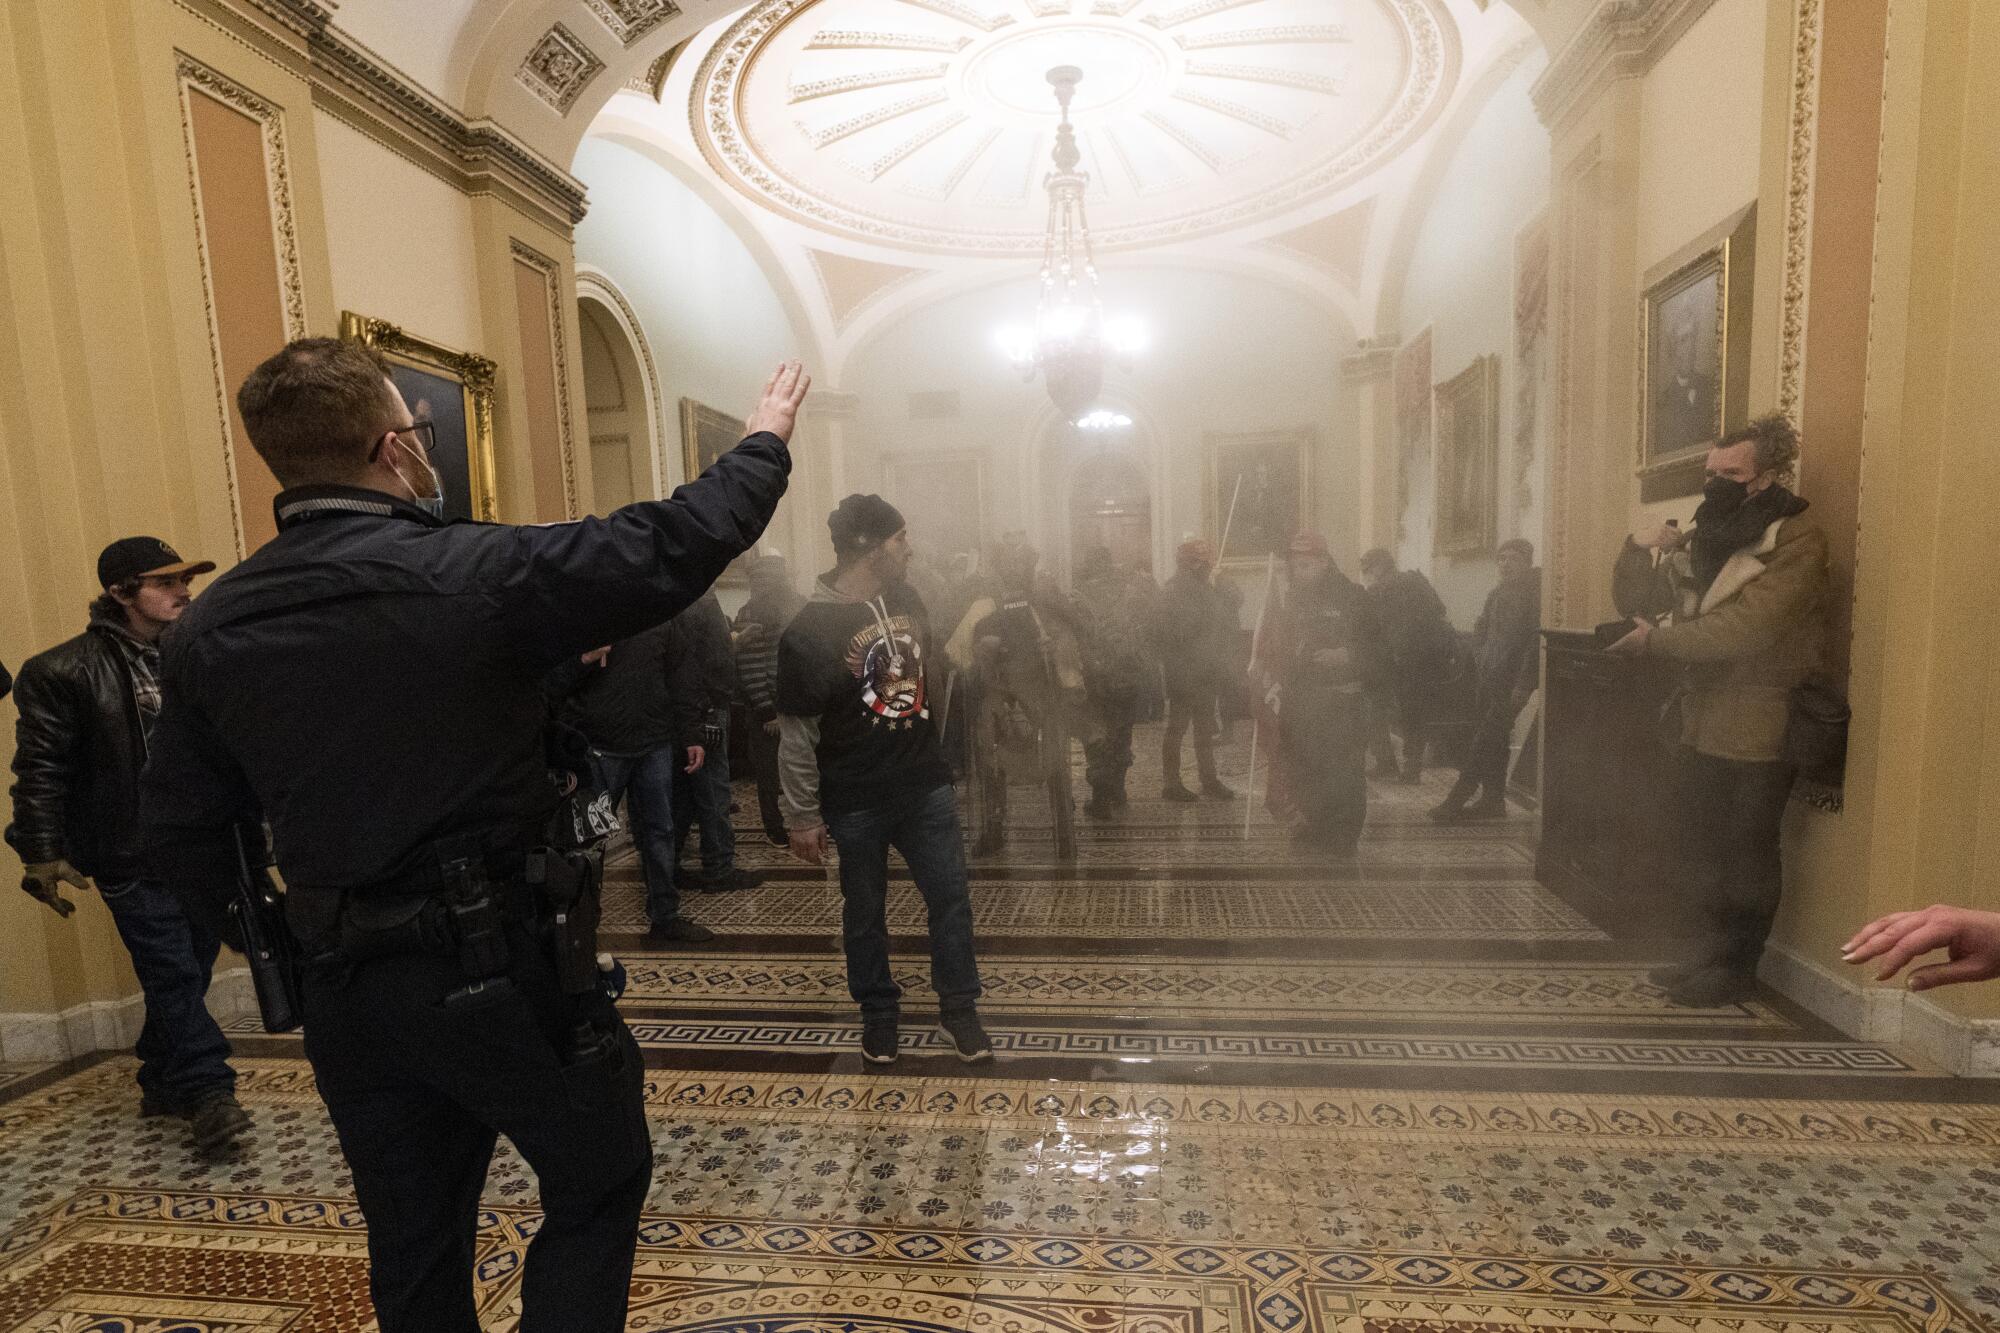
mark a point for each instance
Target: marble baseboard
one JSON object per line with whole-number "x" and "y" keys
{"x": 1968, "y": 1047}
{"x": 109, "y": 1025}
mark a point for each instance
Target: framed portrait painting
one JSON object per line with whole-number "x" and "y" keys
{"x": 1468, "y": 459}
{"x": 453, "y": 391}
{"x": 1694, "y": 361}
{"x": 1268, "y": 476}
{"x": 706, "y": 435}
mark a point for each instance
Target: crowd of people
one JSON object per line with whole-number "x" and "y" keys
{"x": 412, "y": 717}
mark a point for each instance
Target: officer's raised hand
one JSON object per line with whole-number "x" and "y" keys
{"x": 778, "y": 410}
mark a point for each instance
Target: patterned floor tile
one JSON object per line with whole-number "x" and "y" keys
{"x": 1536, "y": 994}
{"x": 1222, "y": 909}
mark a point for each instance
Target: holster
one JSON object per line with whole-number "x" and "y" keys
{"x": 568, "y": 883}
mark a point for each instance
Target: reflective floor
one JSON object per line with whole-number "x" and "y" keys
{"x": 1237, "y": 1091}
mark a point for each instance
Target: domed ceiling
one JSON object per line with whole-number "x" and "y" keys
{"x": 927, "y": 124}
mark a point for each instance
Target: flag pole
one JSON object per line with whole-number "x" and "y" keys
{"x": 1229, "y": 519}
{"x": 1256, "y": 720}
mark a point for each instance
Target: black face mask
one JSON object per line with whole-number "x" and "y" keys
{"x": 1724, "y": 495}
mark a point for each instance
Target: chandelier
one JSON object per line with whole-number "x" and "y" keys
{"x": 1070, "y": 338}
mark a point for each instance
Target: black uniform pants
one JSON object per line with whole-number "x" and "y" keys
{"x": 418, "y": 1094}
{"x": 1732, "y": 814}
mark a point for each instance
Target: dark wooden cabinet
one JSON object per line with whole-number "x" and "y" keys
{"x": 1608, "y": 826}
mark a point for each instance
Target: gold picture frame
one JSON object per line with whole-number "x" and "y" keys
{"x": 1466, "y": 482}
{"x": 1694, "y": 356}
{"x": 706, "y": 435}
{"x": 1276, "y": 501}
{"x": 454, "y": 390}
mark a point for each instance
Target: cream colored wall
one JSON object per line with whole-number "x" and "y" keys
{"x": 1922, "y": 822}
{"x": 400, "y": 240}
{"x": 111, "y": 416}
{"x": 1700, "y": 130}
{"x": 1460, "y": 285}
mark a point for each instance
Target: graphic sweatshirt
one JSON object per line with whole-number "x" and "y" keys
{"x": 853, "y": 706}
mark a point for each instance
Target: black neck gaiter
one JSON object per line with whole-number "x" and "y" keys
{"x": 1722, "y": 529}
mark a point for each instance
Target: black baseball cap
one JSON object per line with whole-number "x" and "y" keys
{"x": 131, "y": 558}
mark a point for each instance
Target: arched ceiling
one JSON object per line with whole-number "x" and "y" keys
{"x": 889, "y": 151}
{"x": 928, "y": 124}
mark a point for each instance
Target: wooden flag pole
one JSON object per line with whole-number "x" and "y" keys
{"x": 1227, "y": 520}
{"x": 1256, "y": 647}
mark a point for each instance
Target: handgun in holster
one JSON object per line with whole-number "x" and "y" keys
{"x": 567, "y": 884}
{"x": 258, "y": 910}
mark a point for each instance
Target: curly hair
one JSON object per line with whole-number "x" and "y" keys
{"x": 1776, "y": 440}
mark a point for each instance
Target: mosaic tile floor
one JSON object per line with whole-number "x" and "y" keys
{"x": 1239, "y": 1092}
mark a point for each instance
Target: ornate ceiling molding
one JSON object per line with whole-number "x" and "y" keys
{"x": 559, "y": 68}
{"x": 629, "y": 20}
{"x": 352, "y": 84}
{"x": 945, "y": 155}
{"x": 1621, "y": 39}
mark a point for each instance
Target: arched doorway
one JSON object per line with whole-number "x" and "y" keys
{"x": 1111, "y": 505}
{"x": 621, "y": 398}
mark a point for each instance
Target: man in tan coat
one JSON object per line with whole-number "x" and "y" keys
{"x": 1744, "y": 593}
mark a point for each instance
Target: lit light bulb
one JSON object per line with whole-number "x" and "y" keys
{"x": 1103, "y": 419}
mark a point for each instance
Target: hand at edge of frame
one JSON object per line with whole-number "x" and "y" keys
{"x": 1970, "y": 939}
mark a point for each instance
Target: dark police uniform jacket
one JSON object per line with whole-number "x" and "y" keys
{"x": 370, "y": 679}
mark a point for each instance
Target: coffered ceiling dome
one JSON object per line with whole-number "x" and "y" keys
{"x": 927, "y": 124}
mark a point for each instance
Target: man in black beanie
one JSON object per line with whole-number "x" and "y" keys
{"x": 860, "y": 760}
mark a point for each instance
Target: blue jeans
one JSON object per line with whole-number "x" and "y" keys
{"x": 925, "y": 830}
{"x": 646, "y": 783}
{"x": 183, "y": 1056}
{"x": 701, "y": 798}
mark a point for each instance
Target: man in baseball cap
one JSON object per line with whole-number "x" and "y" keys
{"x": 131, "y": 559}
{"x": 86, "y": 710}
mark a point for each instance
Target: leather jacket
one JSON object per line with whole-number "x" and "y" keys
{"x": 79, "y": 746}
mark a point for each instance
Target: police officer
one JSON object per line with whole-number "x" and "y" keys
{"x": 368, "y": 682}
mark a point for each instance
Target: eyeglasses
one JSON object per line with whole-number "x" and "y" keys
{"x": 425, "y": 431}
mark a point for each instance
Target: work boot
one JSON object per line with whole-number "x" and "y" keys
{"x": 153, "y": 1105}
{"x": 967, "y": 1036}
{"x": 216, "y": 1122}
{"x": 680, "y": 930}
{"x": 1216, "y": 790}
{"x": 1452, "y": 808}
{"x": 879, "y": 1038}
{"x": 1174, "y": 791}
{"x": 1097, "y": 807}
{"x": 989, "y": 843}
{"x": 1486, "y": 807}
